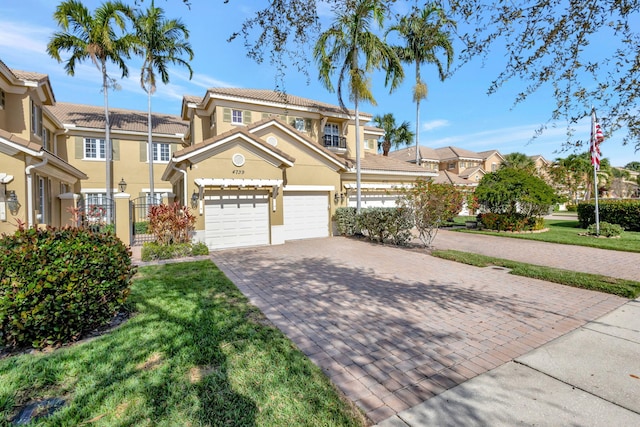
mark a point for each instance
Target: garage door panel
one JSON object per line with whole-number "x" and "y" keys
{"x": 236, "y": 219}
{"x": 306, "y": 215}
{"x": 374, "y": 200}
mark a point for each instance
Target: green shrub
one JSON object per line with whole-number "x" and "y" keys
{"x": 625, "y": 213}
{"x": 386, "y": 224}
{"x": 510, "y": 222}
{"x": 141, "y": 227}
{"x": 199, "y": 248}
{"x": 57, "y": 284}
{"x": 153, "y": 251}
{"x": 606, "y": 230}
{"x": 345, "y": 219}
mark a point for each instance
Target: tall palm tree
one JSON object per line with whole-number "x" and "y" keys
{"x": 102, "y": 38}
{"x": 160, "y": 42}
{"x": 425, "y": 34}
{"x": 351, "y": 47}
{"x": 394, "y": 135}
{"x": 517, "y": 160}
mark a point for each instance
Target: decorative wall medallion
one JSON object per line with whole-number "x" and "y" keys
{"x": 272, "y": 140}
{"x": 238, "y": 159}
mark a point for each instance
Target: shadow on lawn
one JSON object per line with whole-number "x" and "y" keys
{"x": 135, "y": 375}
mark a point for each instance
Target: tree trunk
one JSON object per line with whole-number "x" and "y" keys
{"x": 108, "y": 150}
{"x": 150, "y": 147}
{"x": 386, "y": 146}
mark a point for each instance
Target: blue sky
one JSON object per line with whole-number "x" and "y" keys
{"x": 457, "y": 112}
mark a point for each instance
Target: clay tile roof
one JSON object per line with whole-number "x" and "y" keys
{"x": 470, "y": 171}
{"x": 192, "y": 98}
{"x": 20, "y": 141}
{"x": 89, "y": 116}
{"x": 446, "y": 177}
{"x": 379, "y": 162}
{"x": 409, "y": 154}
{"x": 487, "y": 153}
{"x": 29, "y": 75}
{"x": 267, "y": 95}
{"x": 455, "y": 153}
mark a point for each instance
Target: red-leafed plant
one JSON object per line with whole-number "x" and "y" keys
{"x": 171, "y": 224}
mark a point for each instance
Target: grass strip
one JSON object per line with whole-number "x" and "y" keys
{"x": 611, "y": 285}
{"x": 195, "y": 352}
{"x": 568, "y": 233}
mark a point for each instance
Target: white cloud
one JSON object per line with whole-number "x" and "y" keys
{"x": 434, "y": 124}
{"x": 21, "y": 37}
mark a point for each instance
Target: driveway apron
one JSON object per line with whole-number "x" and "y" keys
{"x": 394, "y": 327}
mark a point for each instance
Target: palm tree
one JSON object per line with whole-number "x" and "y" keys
{"x": 160, "y": 42}
{"x": 101, "y": 38}
{"x": 351, "y": 47}
{"x": 425, "y": 35}
{"x": 394, "y": 135}
{"x": 520, "y": 161}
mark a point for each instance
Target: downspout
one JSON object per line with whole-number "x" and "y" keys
{"x": 27, "y": 171}
{"x": 55, "y": 139}
{"x": 184, "y": 183}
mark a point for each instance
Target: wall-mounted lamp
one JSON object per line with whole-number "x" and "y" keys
{"x": 194, "y": 199}
{"x": 12, "y": 203}
{"x": 338, "y": 197}
{"x": 123, "y": 185}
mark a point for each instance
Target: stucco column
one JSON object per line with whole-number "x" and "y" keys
{"x": 68, "y": 206}
{"x": 123, "y": 221}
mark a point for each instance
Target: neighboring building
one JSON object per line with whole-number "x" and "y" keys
{"x": 34, "y": 178}
{"x": 454, "y": 165}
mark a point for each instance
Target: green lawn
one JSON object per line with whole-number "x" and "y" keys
{"x": 611, "y": 285}
{"x": 194, "y": 353}
{"x": 568, "y": 232}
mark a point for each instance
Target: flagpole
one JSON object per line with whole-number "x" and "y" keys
{"x": 594, "y": 149}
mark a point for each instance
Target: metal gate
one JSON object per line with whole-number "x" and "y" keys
{"x": 140, "y": 219}
{"x": 97, "y": 213}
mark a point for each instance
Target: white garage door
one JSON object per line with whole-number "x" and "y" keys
{"x": 236, "y": 218}
{"x": 306, "y": 215}
{"x": 369, "y": 199}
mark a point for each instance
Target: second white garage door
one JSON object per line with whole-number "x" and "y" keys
{"x": 236, "y": 218}
{"x": 306, "y": 214}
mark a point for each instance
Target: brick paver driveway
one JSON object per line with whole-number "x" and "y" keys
{"x": 393, "y": 327}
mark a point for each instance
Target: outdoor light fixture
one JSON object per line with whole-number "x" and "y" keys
{"x": 194, "y": 199}
{"x": 338, "y": 197}
{"x": 13, "y": 203}
{"x": 123, "y": 185}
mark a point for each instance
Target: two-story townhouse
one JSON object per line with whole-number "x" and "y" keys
{"x": 492, "y": 160}
{"x": 83, "y": 145}
{"x": 265, "y": 167}
{"x": 35, "y": 180}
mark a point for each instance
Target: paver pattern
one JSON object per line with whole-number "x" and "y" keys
{"x": 393, "y": 327}
{"x": 624, "y": 265}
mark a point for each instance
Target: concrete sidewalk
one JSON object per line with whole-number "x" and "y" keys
{"x": 589, "y": 377}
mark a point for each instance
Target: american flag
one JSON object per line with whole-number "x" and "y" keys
{"x": 596, "y": 138}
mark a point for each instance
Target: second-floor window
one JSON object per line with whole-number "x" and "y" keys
{"x": 236, "y": 116}
{"x": 36, "y": 119}
{"x": 94, "y": 148}
{"x": 451, "y": 165}
{"x": 161, "y": 152}
{"x": 46, "y": 138}
{"x": 332, "y": 136}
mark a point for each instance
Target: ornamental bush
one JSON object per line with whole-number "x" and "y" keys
{"x": 386, "y": 224}
{"x": 346, "y": 221}
{"x": 57, "y": 284}
{"x": 606, "y": 230}
{"x": 625, "y": 213}
{"x": 510, "y": 222}
{"x": 171, "y": 224}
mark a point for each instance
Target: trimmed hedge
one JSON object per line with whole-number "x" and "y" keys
{"x": 606, "y": 230}
{"x": 625, "y": 213}
{"x": 378, "y": 224}
{"x": 57, "y": 284}
{"x": 154, "y": 251}
{"x": 510, "y": 222}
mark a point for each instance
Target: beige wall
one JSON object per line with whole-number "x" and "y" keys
{"x": 14, "y": 166}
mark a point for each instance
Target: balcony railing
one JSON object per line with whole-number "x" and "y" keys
{"x": 334, "y": 141}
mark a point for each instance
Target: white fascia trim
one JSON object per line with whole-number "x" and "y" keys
{"x": 19, "y": 147}
{"x": 93, "y": 190}
{"x": 377, "y": 186}
{"x": 230, "y": 138}
{"x": 309, "y": 188}
{"x": 401, "y": 173}
{"x": 115, "y": 132}
{"x": 236, "y": 182}
{"x": 297, "y": 137}
{"x": 156, "y": 190}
